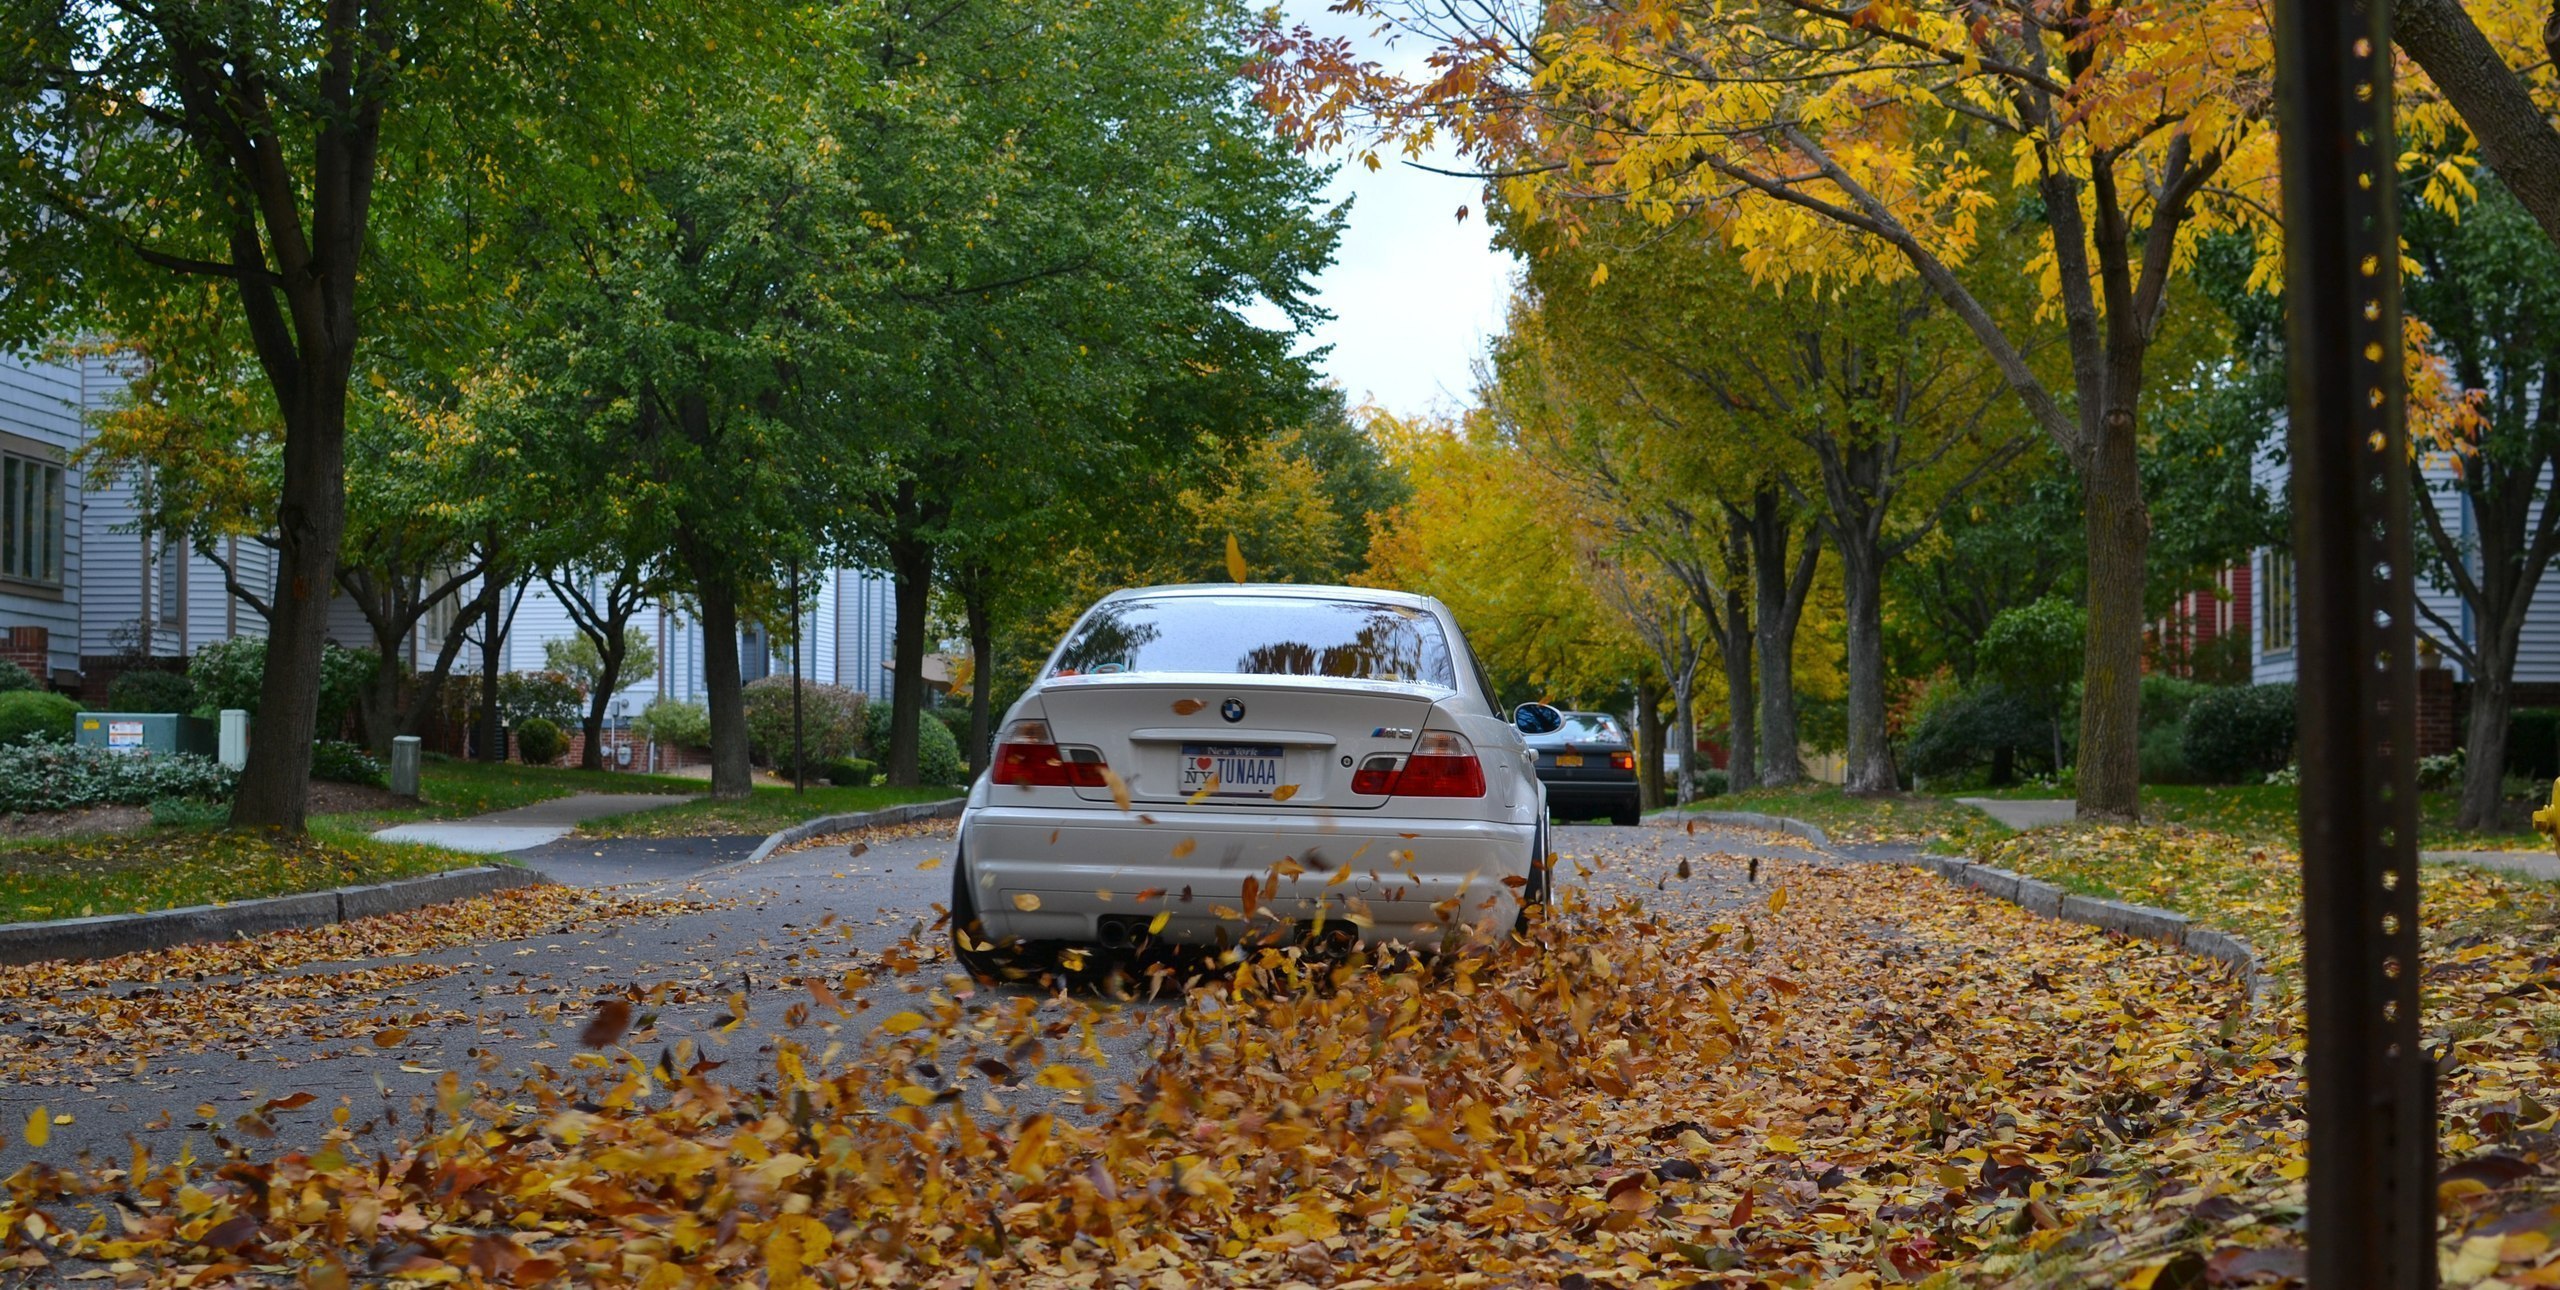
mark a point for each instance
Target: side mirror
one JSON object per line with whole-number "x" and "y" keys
{"x": 1537, "y": 719}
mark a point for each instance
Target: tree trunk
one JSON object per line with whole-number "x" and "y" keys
{"x": 1649, "y": 743}
{"x": 608, "y": 679}
{"x": 311, "y": 517}
{"x": 982, "y": 664}
{"x": 1684, "y": 720}
{"x": 1741, "y": 763}
{"x": 1779, "y": 594}
{"x": 2117, "y": 527}
{"x": 1870, "y": 751}
{"x": 493, "y": 737}
{"x": 723, "y": 693}
{"x": 911, "y": 568}
{"x": 2484, "y": 748}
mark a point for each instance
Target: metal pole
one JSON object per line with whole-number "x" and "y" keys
{"x": 799, "y": 746}
{"x": 2370, "y": 1082}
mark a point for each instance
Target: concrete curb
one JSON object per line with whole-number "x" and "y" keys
{"x": 946, "y": 809}
{"x": 109, "y": 935}
{"x": 1755, "y": 820}
{"x": 2044, "y": 899}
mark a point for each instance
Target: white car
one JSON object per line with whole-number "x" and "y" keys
{"x": 1216, "y": 765}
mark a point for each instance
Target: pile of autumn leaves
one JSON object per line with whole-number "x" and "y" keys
{"x": 1682, "y": 1077}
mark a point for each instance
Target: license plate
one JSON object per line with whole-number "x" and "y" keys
{"x": 1236, "y": 770}
{"x": 1568, "y": 759}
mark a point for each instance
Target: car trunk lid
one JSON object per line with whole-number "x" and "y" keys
{"x": 1212, "y": 742}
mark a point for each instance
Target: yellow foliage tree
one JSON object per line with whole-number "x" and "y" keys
{"x": 1834, "y": 144}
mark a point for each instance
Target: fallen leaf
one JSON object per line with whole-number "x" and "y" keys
{"x": 613, "y": 1017}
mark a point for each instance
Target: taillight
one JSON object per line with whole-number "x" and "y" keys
{"x": 1442, "y": 764}
{"x": 1028, "y": 755}
{"x": 1622, "y": 761}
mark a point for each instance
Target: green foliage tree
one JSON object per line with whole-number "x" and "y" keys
{"x": 207, "y": 176}
{"x": 2034, "y": 652}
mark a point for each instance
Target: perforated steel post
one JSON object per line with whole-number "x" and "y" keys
{"x": 2371, "y": 1087}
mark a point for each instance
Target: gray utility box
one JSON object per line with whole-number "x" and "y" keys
{"x": 160, "y": 732}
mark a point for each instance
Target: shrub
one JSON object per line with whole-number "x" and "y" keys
{"x": 151, "y": 690}
{"x": 1714, "y": 782}
{"x": 2164, "y": 754}
{"x": 14, "y": 677}
{"x": 938, "y": 757}
{"x": 849, "y": 772}
{"x": 676, "y": 722}
{"x": 228, "y": 674}
{"x": 62, "y": 777}
{"x": 2444, "y": 770}
{"x": 2240, "y": 733}
{"x": 36, "y": 714}
{"x": 1983, "y": 726}
{"x": 832, "y": 721}
{"x": 2533, "y": 743}
{"x": 539, "y": 741}
{"x": 189, "y": 813}
{"x": 550, "y": 696}
{"x": 340, "y": 762}
{"x": 2165, "y": 699}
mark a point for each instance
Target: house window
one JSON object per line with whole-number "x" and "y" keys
{"x": 2277, "y": 634}
{"x": 30, "y": 520}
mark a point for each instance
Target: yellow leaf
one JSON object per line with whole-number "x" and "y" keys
{"x": 1778, "y": 901}
{"x": 1119, "y": 787}
{"x": 1599, "y": 274}
{"x": 930, "y": 865}
{"x": 1156, "y": 924}
{"x": 1235, "y": 559}
{"x": 899, "y": 1023}
{"x": 1060, "y": 1077}
{"x": 39, "y": 1128}
{"x": 1284, "y": 792}
{"x": 1184, "y": 848}
{"x": 1025, "y": 901}
{"x": 1784, "y": 1145}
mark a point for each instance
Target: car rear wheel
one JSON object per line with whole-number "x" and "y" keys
{"x": 1535, "y": 893}
{"x": 968, "y": 934}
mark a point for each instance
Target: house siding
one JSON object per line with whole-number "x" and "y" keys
{"x": 40, "y": 416}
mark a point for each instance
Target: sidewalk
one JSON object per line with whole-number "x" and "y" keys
{"x": 525, "y": 826}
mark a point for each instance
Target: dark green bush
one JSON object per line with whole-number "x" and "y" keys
{"x": 36, "y": 714}
{"x": 340, "y": 762}
{"x": 551, "y": 696}
{"x": 679, "y": 722}
{"x": 14, "y": 677}
{"x": 1986, "y": 726}
{"x": 2164, "y": 754}
{"x": 2239, "y": 734}
{"x": 2533, "y": 743}
{"x": 938, "y": 759}
{"x": 2165, "y": 699}
{"x": 228, "y": 674}
{"x": 831, "y": 720}
{"x": 539, "y": 741}
{"x": 849, "y": 772}
{"x": 65, "y": 777}
{"x": 1713, "y": 782}
{"x": 148, "y": 689}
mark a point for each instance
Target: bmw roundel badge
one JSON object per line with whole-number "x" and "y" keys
{"x": 1232, "y": 710}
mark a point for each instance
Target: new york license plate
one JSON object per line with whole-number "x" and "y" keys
{"x": 1230, "y": 770}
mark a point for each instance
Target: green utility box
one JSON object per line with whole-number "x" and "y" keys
{"x": 160, "y": 732}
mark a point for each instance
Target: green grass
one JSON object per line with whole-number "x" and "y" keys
{"x": 164, "y": 868}
{"x": 1900, "y": 818}
{"x": 765, "y": 810}
{"x": 2267, "y": 813}
{"x": 450, "y": 789}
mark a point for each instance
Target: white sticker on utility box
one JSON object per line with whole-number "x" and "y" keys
{"x": 125, "y": 734}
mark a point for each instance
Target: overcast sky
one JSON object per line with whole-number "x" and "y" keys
{"x": 1415, "y": 294}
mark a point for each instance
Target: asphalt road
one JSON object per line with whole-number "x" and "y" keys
{"x": 377, "y": 1036}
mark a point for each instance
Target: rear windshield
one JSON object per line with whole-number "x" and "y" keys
{"x": 1262, "y": 636}
{"x": 1592, "y": 726}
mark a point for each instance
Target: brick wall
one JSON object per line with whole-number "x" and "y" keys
{"x": 30, "y": 648}
{"x": 2438, "y": 730}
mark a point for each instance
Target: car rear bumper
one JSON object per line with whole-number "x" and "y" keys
{"x": 1080, "y": 875}
{"x": 1566, "y": 796}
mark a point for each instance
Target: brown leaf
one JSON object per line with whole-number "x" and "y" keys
{"x": 1185, "y": 707}
{"x": 390, "y": 1037}
{"x": 613, "y": 1017}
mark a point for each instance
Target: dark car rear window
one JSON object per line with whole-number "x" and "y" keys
{"x": 1261, "y": 635}
{"x": 1592, "y": 725}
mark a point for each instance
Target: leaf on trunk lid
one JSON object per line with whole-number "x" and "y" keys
{"x": 1185, "y": 707}
{"x": 1025, "y": 901}
{"x": 1185, "y": 847}
{"x": 1284, "y": 792}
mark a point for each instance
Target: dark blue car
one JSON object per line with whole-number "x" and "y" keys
{"x": 1589, "y": 767}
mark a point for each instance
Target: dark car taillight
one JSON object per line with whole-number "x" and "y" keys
{"x": 1622, "y": 761}
{"x": 1028, "y": 755}
{"x": 1442, "y": 764}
